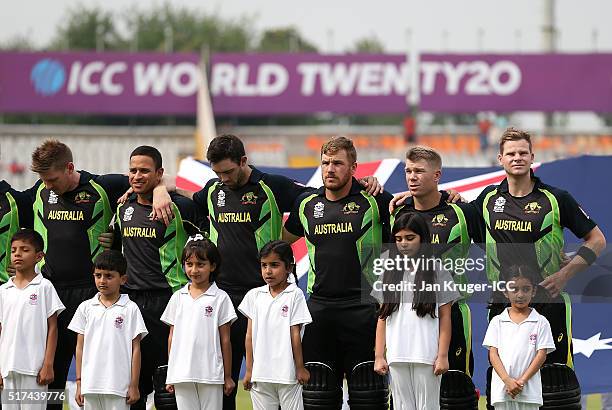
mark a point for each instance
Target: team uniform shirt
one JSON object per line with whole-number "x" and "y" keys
{"x": 517, "y": 345}
{"x": 242, "y": 221}
{"x": 152, "y": 249}
{"x": 343, "y": 238}
{"x": 15, "y": 213}
{"x": 414, "y": 339}
{"x": 533, "y": 224}
{"x": 106, "y": 366}
{"x": 23, "y": 317}
{"x": 195, "y": 354}
{"x": 272, "y": 318}
{"x": 71, "y": 223}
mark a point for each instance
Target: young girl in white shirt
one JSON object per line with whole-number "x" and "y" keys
{"x": 414, "y": 323}
{"x": 200, "y": 315}
{"x": 518, "y": 340}
{"x": 276, "y": 315}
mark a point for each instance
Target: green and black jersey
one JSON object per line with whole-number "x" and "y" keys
{"x": 453, "y": 227}
{"x": 529, "y": 229}
{"x": 15, "y": 213}
{"x": 71, "y": 223}
{"x": 243, "y": 220}
{"x": 343, "y": 237}
{"x": 152, "y": 249}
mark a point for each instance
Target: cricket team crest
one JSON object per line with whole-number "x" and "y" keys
{"x": 82, "y": 198}
{"x": 532, "y": 208}
{"x": 249, "y": 199}
{"x": 284, "y": 311}
{"x": 119, "y": 322}
{"x": 350, "y": 208}
{"x": 439, "y": 220}
{"x": 33, "y": 299}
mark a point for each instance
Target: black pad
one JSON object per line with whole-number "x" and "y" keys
{"x": 560, "y": 387}
{"x": 322, "y": 391}
{"x": 368, "y": 389}
{"x": 163, "y": 399}
{"x": 457, "y": 391}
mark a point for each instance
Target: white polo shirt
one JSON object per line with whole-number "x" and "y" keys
{"x": 195, "y": 354}
{"x": 106, "y": 367}
{"x": 517, "y": 345}
{"x": 23, "y": 316}
{"x": 414, "y": 339}
{"x": 272, "y": 320}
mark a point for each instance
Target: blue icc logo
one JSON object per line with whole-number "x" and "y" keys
{"x": 48, "y": 76}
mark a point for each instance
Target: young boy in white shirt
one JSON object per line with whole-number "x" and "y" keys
{"x": 29, "y": 306}
{"x": 109, "y": 329}
{"x": 518, "y": 341}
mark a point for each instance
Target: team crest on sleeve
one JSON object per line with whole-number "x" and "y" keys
{"x": 127, "y": 216}
{"x": 439, "y": 220}
{"x": 532, "y": 208}
{"x": 82, "y": 198}
{"x": 284, "y": 311}
{"x": 33, "y": 299}
{"x": 221, "y": 199}
{"x": 119, "y": 322}
{"x": 208, "y": 311}
{"x": 249, "y": 199}
{"x": 52, "y": 198}
{"x": 318, "y": 210}
{"x": 500, "y": 203}
{"x": 350, "y": 208}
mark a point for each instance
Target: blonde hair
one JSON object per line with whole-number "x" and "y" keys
{"x": 51, "y": 154}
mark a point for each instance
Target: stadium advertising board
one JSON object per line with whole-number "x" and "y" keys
{"x": 266, "y": 84}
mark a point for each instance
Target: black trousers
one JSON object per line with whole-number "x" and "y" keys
{"x": 66, "y": 339}
{"x": 237, "y": 336}
{"x": 154, "y": 347}
{"x": 341, "y": 335}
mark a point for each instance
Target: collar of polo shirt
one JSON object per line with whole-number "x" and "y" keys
{"x": 122, "y": 301}
{"x": 35, "y": 281}
{"x": 533, "y": 316}
{"x": 211, "y": 291}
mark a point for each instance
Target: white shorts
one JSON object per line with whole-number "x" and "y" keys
{"x": 513, "y": 405}
{"x": 414, "y": 386}
{"x": 267, "y": 396}
{"x": 193, "y": 396}
{"x": 105, "y": 402}
{"x": 22, "y": 382}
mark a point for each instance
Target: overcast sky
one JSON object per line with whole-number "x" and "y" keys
{"x": 334, "y": 25}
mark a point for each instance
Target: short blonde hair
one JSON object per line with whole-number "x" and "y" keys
{"x": 514, "y": 134}
{"x": 51, "y": 154}
{"x": 340, "y": 143}
{"x": 425, "y": 153}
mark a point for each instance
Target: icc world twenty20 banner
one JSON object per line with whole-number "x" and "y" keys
{"x": 273, "y": 84}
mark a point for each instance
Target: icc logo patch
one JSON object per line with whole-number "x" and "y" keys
{"x": 128, "y": 214}
{"x": 500, "y": 203}
{"x": 439, "y": 220}
{"x": 208, "y": 311}
{"x": 532, "y": 208}
{"x": 533, "y": 338}
{"x": 249, "y": 199}
{"x": 221, "y": 199}
{"x": 318, "y": 210}
{"x": 52, "y": 198}
{"x": 33, "y": 299}
{"x": 119, "y": 322}
{"x": 284, "y": 311}
{"x": 350, "y": 208}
